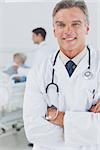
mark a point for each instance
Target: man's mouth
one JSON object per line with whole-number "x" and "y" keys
{"x": 70, "y": 39}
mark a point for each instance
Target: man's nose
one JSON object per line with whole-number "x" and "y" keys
{"x": 69, "y": 30}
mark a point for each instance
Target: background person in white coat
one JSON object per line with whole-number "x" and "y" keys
{"x": 42, "y": 50}
{"x": 62, "y": 97}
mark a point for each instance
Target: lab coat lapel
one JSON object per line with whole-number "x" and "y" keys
{"x": 81, "y": 67}
{"x": 61, "y": 74}
{"x": 63, "y": 79}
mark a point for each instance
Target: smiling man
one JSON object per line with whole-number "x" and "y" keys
{"x": 70, "y": 28}
{"x": 62, "y": 97}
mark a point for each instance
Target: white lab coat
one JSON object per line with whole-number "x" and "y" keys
{"x": 41, "y": 52}
{"x": 81, "y": 128}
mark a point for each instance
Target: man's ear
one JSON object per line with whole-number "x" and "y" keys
{"x": 87, "y": 29}
{"x": 54, "y": 32}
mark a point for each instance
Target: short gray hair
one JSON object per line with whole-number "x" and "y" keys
{"x": 70, "y": 4}
{"x": 21, "y": 57}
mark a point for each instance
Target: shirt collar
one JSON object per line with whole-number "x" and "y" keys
{"x": 42, "y": 44}
{"x": 76, "y": 59}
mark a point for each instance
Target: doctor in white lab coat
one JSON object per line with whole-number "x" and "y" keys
{"x": 42, "y": 49}
{"x": 62, "y": 98}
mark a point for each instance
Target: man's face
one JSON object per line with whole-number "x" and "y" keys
{"x": 36, "y": 38}
{"x": 17, "y": 61}
{"x": 70, "y": 29}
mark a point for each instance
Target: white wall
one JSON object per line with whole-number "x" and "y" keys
{"x": 18, "y": 19}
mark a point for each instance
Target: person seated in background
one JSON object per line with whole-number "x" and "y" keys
{"x": 19, "y": 60}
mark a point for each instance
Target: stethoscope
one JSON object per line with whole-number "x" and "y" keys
{"x": 87, "y": 74}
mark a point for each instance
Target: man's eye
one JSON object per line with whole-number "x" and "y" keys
{"x": 60, "y": 25}
{"x": 76, "y": 25}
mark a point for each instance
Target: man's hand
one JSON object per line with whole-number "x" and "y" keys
{"x": 95, "y": 108}
{"x": 59, "y": 119}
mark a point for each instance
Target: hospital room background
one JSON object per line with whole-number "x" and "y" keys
{"x": 17, "y": 20}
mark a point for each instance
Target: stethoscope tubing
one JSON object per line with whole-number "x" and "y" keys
{"x": 53, "y": 70}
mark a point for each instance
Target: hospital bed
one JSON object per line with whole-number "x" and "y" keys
{"x": 12, "y": 120}
{"x": 11, "y": 112}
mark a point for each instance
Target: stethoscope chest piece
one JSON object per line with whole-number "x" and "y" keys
{"x": 87, "y": 74}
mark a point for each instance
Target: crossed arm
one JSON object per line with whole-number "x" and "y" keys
{"x": 60, "y": 117}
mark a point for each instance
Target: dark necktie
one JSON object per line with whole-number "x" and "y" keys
{"x": 70, "y": 66}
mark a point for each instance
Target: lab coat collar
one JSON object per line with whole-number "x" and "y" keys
{"x": 43, "y": 43}
{"x": 63, "y": 72}
{"x": 62, "y": 76}
{"x": 76, "y": 59}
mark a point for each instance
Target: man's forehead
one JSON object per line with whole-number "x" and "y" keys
{"x": 64, "y": 17}
{"x": 69, "y": 13}
{"x": 34, "y": 34}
